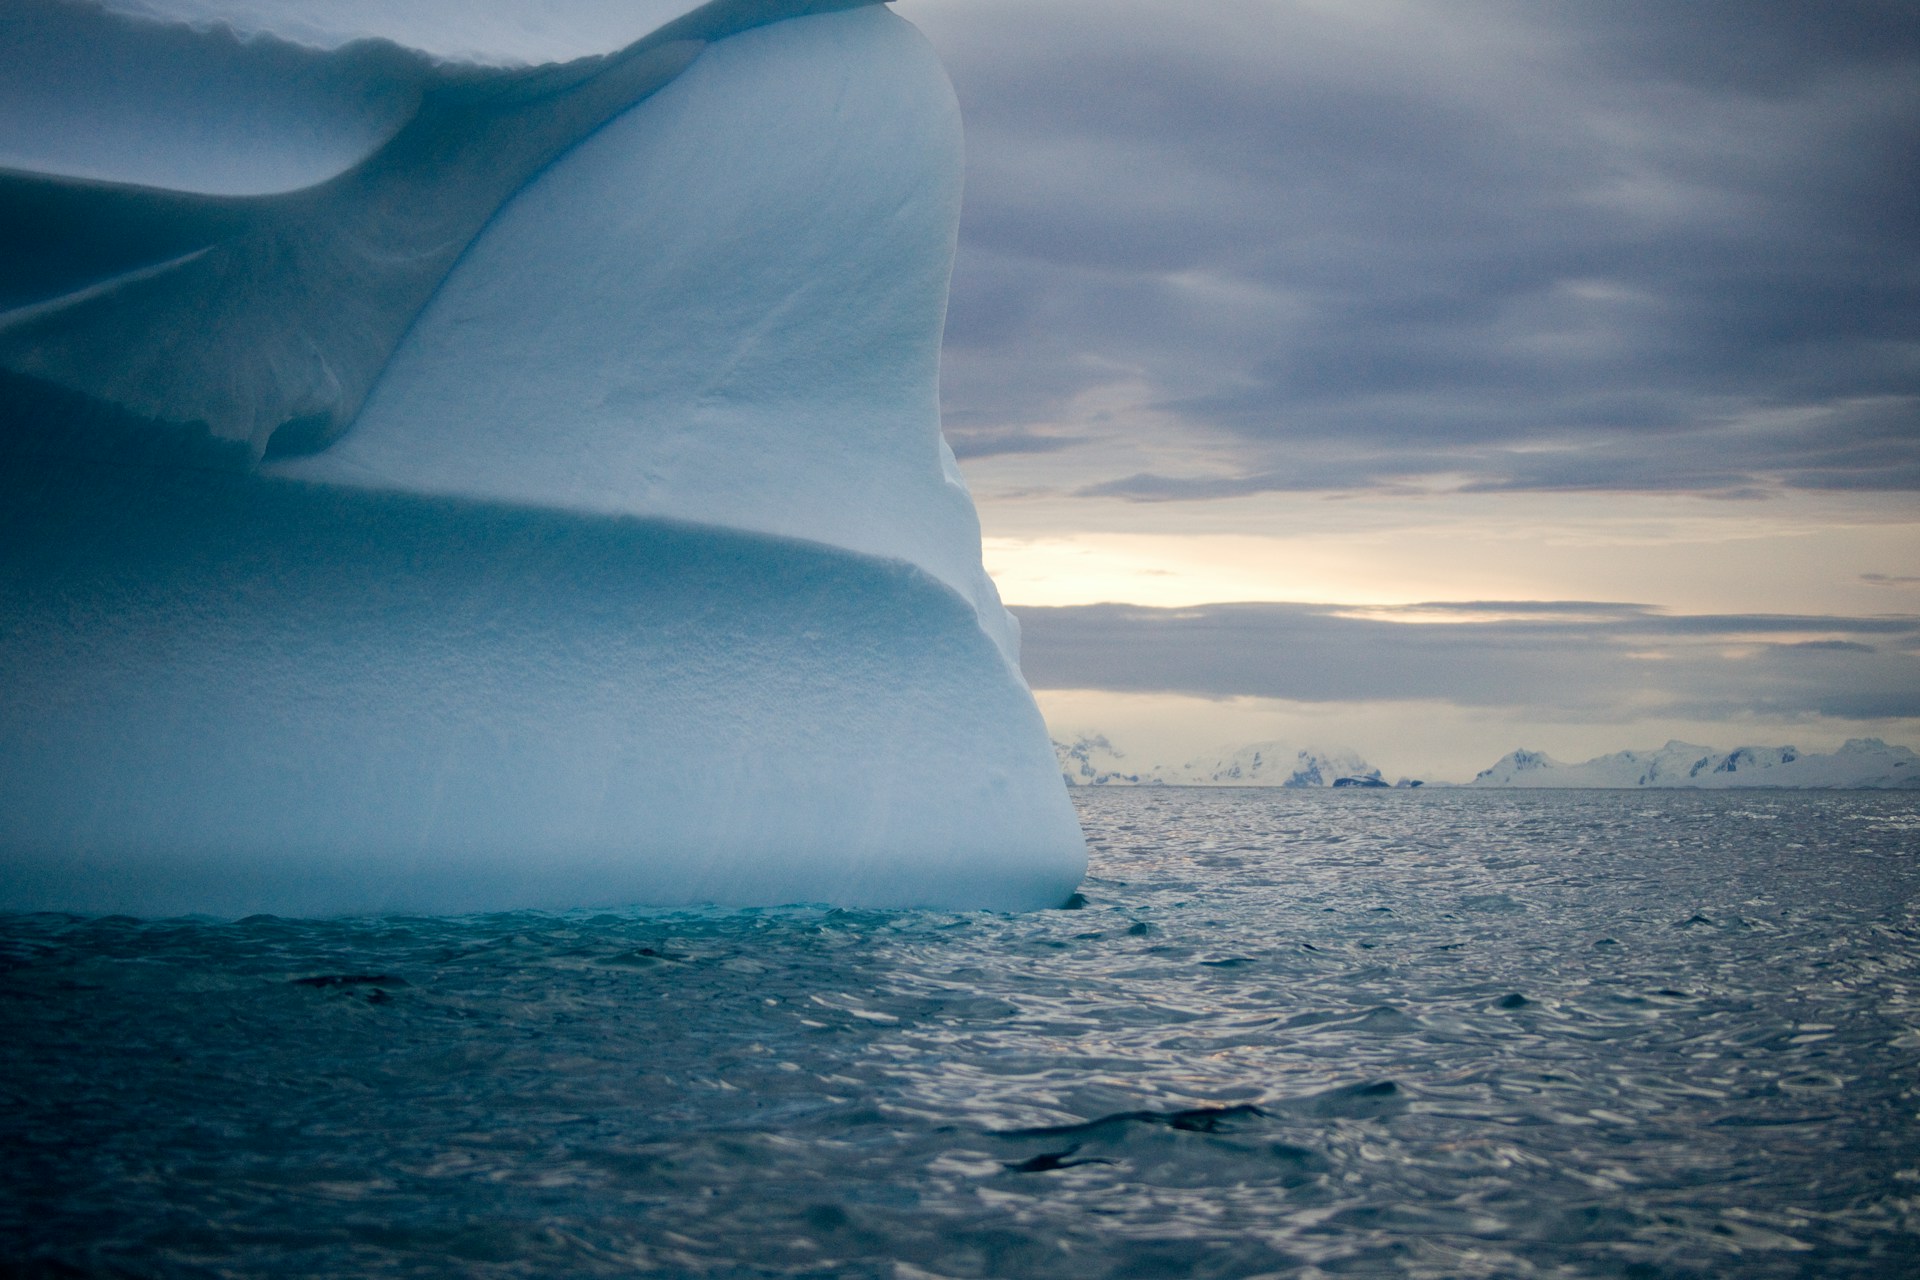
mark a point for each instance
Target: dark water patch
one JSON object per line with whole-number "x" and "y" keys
{"x": 328, "y": 981}
{"x": 1051, "y": 1161}
{"x": 644, "y": 958}
{"x": 1190, "y": 1120}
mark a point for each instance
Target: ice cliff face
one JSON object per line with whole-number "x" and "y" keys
{"x": 436, "y": 438}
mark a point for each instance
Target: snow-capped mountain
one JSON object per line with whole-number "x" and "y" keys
{"x": 1861, "y": 762}
{"x": 1093, "y": 760}
{"x": 1269, "y": 764}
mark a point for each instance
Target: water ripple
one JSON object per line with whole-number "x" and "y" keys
{"x": 1428, "y": 1034}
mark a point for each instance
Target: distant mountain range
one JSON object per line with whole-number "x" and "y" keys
{"x": 1862, "y": 762}
{"x": 1094, "y": 761}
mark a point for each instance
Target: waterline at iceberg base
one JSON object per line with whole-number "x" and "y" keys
{"x": 544, "y": 508}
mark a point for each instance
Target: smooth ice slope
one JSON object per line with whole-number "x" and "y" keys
{"x": 494, "y": 482}
{"x": 651, "y": 328}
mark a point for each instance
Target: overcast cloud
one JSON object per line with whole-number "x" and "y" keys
{"x": 1606, "y": 245}
{"x": 1566, "y": 659}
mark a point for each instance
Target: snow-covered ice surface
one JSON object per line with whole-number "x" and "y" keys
{"x": 488, "y": 456}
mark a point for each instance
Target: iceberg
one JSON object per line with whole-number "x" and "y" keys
{"x": 481, "y": 456}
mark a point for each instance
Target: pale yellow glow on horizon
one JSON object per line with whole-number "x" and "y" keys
{"x": 1804, "y": 554}
{"x": 1173, "y": 571}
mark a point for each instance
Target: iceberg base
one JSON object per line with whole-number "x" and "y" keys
{"x": 229, "y": 695}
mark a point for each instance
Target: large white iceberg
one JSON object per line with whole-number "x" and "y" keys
{"x": 473, "y": 456}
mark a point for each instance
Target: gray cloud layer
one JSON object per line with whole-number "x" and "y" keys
{"x": 1576, "y": 659}
{"x": 1614, "y": 244}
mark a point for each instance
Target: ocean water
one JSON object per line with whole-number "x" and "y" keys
{"x": 1288, "y": 1033}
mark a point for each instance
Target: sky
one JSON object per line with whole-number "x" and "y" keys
{"x": 1437, "y": 377}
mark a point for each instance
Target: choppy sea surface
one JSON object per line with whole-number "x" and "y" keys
{"x": 1443, "y": 1034}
